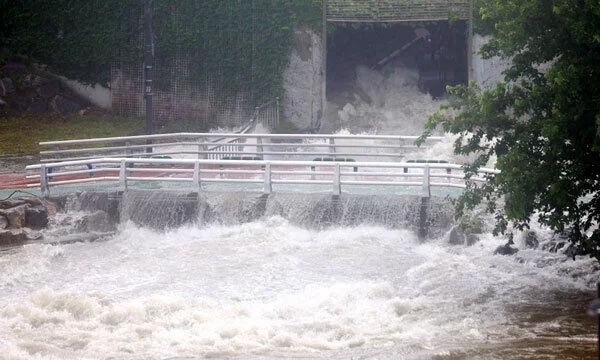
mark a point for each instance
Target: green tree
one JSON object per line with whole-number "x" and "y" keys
{"x": 542, "y": 123}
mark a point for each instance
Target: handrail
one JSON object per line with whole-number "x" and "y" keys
{"x": 216, "y": 145}
{"x": 337, "y": 175}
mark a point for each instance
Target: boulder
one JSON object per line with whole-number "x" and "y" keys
{"x": 14, "y": 68}
{"x": 15, "y": 216}
{"x": 7, "y": 87}
{"x": 530, "y": 239}
{"x": 10, "y": 203}
{"x": 38, "y": 105}
{"x": 20, "y": 103}
{"x": 456, "y": 236}
{"x": 472, "y": 239}
{"x": 98, "y": 221}
{"x": 63, "y": 105}
{"x": 505, "y": 250}
{"x": 47, "y": 88}
{"x": 3, "y": 222}
{"x": 12, "y": 236}
{"x": 36, "y": 216}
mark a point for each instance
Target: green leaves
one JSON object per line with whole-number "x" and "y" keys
{"x": 542, "y": 123}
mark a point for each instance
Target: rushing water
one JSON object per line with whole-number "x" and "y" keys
{"x": 269, "y": 289}
{"x": 272, "y": 288}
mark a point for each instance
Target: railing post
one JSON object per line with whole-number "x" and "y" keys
{"x": 268, "y": 185}
{"x": 202, "y": 148}
{"x": 197, "y": 175}
{"x": 259, "y": 147}
{"x": 123, "y": 175}
{"x": 426, "y": 186}
{"x": 276, "y": 114}
{"x": 332, "y": 146}
{"x": 44, "y": 180}
{"x": 128, "y": 148}
{"x": 336, "y": 179}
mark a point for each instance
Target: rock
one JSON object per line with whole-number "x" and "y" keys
{"x": 505, "y": 250}
{"x": 472, "y": 239}
{"x": 15, "y": 216}
{"x": 10, "y": 203}
{"x": 12, "y": 236}
{"x": 97, "y": 221}
{"x": 32, "y": 234}
{"x": 62, "y": 105}
{"x": 36, "y": 216}
{"x": 574, "y": 250}
{"x": 38, "y": 105}
{"x": 14, "y": 68}
{"x": 456, "y": 236}
{"x": 20, "y": 103}
{"x": 33, "y": 201}
{"x": 8, "y": 87}
{"x": 530, "y": 240}
{"x": 3, "y": 222}
{"x": 47, "y": 88}
{"x": 554, "y": 245}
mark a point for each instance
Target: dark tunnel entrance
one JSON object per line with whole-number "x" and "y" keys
{"x": 437, "y": 50}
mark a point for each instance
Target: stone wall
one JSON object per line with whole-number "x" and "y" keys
{"x": 21, "y": 218}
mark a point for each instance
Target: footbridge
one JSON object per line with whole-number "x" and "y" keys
{"x": 264, "y": 163}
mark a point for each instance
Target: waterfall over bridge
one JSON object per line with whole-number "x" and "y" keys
{"x": 315, "y": 180}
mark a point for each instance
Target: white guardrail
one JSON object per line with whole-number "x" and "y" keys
{"x": 218, "y": 146}
{"x": 194, "y": 159}
{"x": 195, "y": 172}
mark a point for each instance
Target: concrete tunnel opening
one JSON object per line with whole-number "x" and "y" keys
{"x": 437, "y": 50}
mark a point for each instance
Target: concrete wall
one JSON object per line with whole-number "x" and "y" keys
{"x": 303, "y": 78}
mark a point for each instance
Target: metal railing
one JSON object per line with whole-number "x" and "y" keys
{"x": 219, "y": 145}
{"x": 335, "y": 176}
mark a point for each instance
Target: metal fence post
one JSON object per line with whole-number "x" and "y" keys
{"x": 259, "y": 147}
{"x": 426, "y": 185}
{"x": 332, "y": 146}
{"x": 197, "y": 175}
{"x": 268, "y": 185}
{"x": 123, "y": 175}
{"x": 44, "y": 180}
{"x": 336, "y": 179}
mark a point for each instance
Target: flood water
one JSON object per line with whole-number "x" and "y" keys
{"x": 269, "y": 289}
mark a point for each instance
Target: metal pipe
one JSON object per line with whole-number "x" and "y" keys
{"x": 148, "y": 67}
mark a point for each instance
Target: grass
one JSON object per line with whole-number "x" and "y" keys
{"x": 20, "y": 134}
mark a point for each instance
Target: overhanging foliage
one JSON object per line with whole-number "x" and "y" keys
{"x": 542, "y": 123}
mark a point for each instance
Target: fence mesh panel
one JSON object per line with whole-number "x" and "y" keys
{"x": 188, "y": 87}
{"x": 396, "y": 10}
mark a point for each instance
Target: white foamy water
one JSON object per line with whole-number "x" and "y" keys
{"x": 268, "y": 289}
{"x": 385, "y": 103}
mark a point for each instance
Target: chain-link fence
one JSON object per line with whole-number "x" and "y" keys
{"x": 396, "y": 10}
{"x": 214, "y": 63}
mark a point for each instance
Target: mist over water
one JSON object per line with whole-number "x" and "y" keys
{"x": 273, "y": 287}
{"x": 387, "y": 103}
